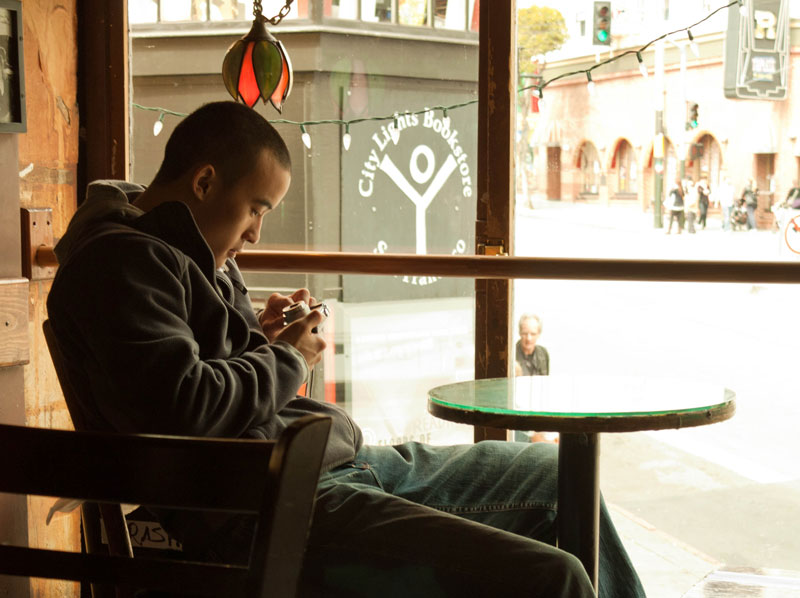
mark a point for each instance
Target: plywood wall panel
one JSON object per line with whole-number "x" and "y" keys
{"x": 48, "y": 151}
{"x": 47, "y": 170}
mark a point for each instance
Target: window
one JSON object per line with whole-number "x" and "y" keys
{"x": 589, "y": 164}
{"x": 404, "y": 184}
{"x": 174, "y": 11}
{"x": 625, "y": 169}
{"x": 592, "y": 194}
{"x": 691, "y": 331}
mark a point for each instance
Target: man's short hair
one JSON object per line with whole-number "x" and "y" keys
{"x": 227, "y": 135}
{"x": 525, "y": 317}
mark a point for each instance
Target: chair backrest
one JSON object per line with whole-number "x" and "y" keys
{"x": 113, "y": 521}
{"x": 62, "y": 372}
{"x": 275, "y": 481}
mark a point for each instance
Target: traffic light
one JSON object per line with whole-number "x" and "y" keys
{"x": 693, "y": 115}
{"x": 601, "y": 32}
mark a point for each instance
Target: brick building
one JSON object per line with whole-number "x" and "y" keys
{"x": 598, "y": 146}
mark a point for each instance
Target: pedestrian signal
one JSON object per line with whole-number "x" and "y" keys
{"x": 601, "y": 31}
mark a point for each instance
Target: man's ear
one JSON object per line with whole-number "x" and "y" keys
{"x": 202, "y": 181}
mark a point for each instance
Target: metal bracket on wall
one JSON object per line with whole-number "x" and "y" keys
{"x": 491, "y": 247}
{"x": 37, "y": 231}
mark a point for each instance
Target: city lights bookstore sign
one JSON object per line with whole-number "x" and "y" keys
{"x": 411, "y": 190}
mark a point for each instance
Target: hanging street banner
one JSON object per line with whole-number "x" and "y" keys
{"x": 410, "y": 187}
{"x": 757, "y": 51}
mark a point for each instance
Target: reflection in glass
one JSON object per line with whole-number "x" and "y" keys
{"x": 147, "y": 11}
{"x": 412, "y": 12}
{"x": 142, "y": 11}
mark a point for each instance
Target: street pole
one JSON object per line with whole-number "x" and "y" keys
{"x": 658, "y": 143}
{"x": 684, "y": 136}
{"x": 658, "y": 166}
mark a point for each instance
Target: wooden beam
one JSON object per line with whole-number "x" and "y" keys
{"x": 505, "y": 267}
{"x": 497, "y": 68}
{"x": 103, "y": 91}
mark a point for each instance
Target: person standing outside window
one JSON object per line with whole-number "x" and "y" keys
{"x": 531, "y": 359}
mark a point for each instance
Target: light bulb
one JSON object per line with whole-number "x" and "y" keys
{"x": 590, "y": 87}
{"x": 642, "y": 67}
{"x": 158, "y": 125}
{"x": 346, "y": 139}
{"x": 540, "y": 101}
{"x": 305, "y": 137}
{"x": 693, "y": 45}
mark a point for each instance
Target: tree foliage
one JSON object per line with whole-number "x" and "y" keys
{"x": 540, "y": 29}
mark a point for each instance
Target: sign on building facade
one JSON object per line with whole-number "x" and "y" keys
{"x": 757, "y": 51}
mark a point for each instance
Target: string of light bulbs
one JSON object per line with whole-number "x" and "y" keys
{"x": 346, "y": 123}
{"x": 637, "y": 52}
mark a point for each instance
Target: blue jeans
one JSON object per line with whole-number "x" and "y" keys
{"x": 726, "y": 217}
{"x": 751, "y": 217}
{"x": 436, "y": 521}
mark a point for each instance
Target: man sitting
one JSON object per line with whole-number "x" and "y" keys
{"x": 155, "y": 320}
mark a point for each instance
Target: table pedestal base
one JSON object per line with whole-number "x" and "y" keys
{"x": 579, "y": 499}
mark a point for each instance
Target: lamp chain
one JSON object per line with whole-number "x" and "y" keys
{"x": 277, "y": 18}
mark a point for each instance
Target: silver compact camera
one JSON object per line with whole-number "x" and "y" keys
{"x": 297, "y": 310}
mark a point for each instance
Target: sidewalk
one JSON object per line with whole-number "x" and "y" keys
{"x": 667, "y": 567}
{"x": 556, "y": 229}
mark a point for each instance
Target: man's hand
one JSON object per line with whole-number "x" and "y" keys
{"x": 271, "y": 319}
{"x": 299, "y": 334}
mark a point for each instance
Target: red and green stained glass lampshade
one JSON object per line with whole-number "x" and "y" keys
{"x": 257, "y": 66}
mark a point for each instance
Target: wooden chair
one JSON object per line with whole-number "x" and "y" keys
{"x": 94, "y": 517}
{"x": 275, "y": 481}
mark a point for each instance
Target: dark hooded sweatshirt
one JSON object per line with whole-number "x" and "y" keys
{"x": 160, "y": 341}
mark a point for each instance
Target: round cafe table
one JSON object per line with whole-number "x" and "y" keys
{"x": 579, "y": 408}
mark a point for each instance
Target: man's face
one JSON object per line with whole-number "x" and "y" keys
{"x": 230, "y": 216}
{"x": 528, "y": 334}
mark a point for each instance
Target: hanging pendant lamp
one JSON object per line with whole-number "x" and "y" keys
{"x": 257, "y": 65}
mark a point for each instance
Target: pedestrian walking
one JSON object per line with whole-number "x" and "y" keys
{"x": 702, "y": 201}
{"x": 675, "y": 205}
{"x": 750, "y": 199}
{"x": 690, "y": 205}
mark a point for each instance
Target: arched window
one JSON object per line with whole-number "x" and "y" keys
{"x": 589, "y": 166}
{"x": 624, "y": 168}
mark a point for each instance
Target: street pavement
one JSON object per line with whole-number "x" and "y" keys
{"x": 686, "y": 502}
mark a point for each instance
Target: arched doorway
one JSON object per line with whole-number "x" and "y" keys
{"x": 704, "y": 160}
{"x": 624, "y": 173}
{"x": 588, "y": 165}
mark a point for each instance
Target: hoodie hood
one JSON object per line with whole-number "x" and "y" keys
{"x": 106, "y": 201}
